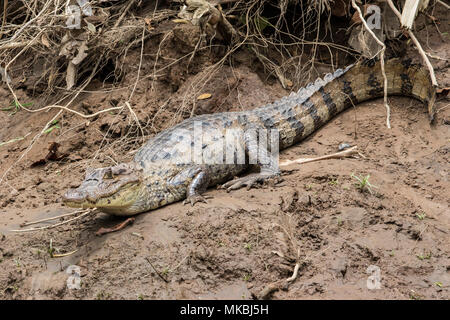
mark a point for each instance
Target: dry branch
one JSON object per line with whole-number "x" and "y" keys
{"x": 382, "y": 51}
{"x": 418, "y": 46}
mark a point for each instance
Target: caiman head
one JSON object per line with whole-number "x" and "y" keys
{"x": 116, "y": 190}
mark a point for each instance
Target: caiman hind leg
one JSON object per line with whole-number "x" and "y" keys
{"x": 267, "y": 161}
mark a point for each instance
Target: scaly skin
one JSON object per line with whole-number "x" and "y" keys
{"x": 163, "y": 172}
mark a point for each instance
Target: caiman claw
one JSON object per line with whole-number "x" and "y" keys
{"x": 247, "y": 181}
{"x": 194, "y": 199}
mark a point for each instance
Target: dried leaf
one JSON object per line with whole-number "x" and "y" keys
{"x": 180, "y": 21}
{"x": 81, "y": 53}
{"x": 204, "y": 96}
{"x": 45, "y": 41}
{"x": 148, "y": 22}
{"x": 91, "y": 27}
{"x": 288, "y": 83}
{"x": 70, "y": 75}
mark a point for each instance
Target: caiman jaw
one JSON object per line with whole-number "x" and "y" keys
{"x": 111, "y": 189}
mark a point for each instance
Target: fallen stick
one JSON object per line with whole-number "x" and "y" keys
{"x": 60, "y": 255}
{"x": 443, "y": 3}
{"x": 337, "y": 155}
{"x": 53, "y": 225}
{"x": 49, "y": 219}
{"x": 294, "y": 275}
{"x": 157, "y": 272}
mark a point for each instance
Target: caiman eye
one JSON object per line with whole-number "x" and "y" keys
{"x": 108, "y": 175}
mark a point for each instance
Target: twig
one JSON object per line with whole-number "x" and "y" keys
{"x": 165, "y": 280}
{"x": 435, "y": 56}
{"x": 294, "y": 275}
{"x": 179, "y": 264}
{"x": 123, "y": 13}
{"x": 418, "y": 46}
{"x": 54, "y": 225}
{"x": 14, "y": 140}
{"x": 140, "y": 63}
{"x": 135, "y": 85}
{"x": 38, "y": 135}
{"x": 443, "y": 3}
{"x": 55, "y": 106}
{"x": 49, "y": 219}
{"x": 60, "y": 255}
{"x": 337, "y": 155}
{"x": 382, "y": 51}
{"x": 135, "y": 119}
{"x": 30, "y": 21}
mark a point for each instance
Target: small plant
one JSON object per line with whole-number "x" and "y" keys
{"x": 247, "y": 277}
{"x": 308, "y": 187}
{"x": 424, "y": 256}
{"x": 53, "y": 125}
{"x": 363, "y": 183}
{"x": 248, "y": 246}
{"x": 14, "y": 105}
{"x": 421, "y": 216}
{"x": 102, "y": 295}
{"x": 140, "y": 297}
{"x": 414, "y": 295}
{"x": 438, "y": 283}
{"x": 333, "y": 182}
{"x": 165, "y": 271}
{"x": 50, "y": 249}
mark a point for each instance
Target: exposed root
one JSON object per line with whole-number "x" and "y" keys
{"x": 118, "y": 227}
{"x": 382, "y": 52}
{"x": 417, "y": 44}
{"x": 443, "y": 3}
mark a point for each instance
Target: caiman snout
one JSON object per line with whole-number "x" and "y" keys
{"x": 102, "y": 183}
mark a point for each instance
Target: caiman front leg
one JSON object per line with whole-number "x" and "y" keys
{"x": 267, "y": 161}
{"x": 198, "y": 185}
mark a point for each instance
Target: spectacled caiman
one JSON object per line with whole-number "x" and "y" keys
{"x": 158, "y": 175}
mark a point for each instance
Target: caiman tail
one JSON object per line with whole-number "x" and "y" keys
{"x": 303, "y": 112}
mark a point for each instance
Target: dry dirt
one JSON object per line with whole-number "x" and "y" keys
{"x": 225, "y": 249}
